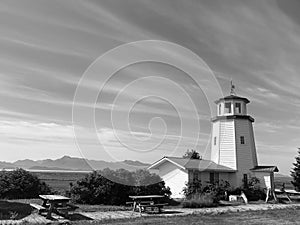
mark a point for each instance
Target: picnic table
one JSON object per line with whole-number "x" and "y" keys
{"x": 289, "y": 194}
{"x": 144, "y": 202}
{"x": 54, "y": 204}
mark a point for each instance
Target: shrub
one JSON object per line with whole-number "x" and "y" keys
{"x": 200, "y": 201}
{"x": 96, "y": 188}
{"x": 215, "y": 190}
{"x": 21, "y": 184}
{"x": 253, "y": 191}
{"x": 192, "y": 188}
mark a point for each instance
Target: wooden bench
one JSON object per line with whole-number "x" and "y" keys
{"x": 159, "y": 206}
{"x": 38, "y": 207}
{"x": 64, "y": 210}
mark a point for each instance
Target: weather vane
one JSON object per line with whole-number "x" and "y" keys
{"x": 232, "y": 92}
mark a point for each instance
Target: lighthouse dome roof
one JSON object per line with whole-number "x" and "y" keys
{"x": 232, "y": 97}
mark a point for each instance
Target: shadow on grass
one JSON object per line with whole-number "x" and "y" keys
{"x": 171, "y": 212}
{"x": 78, "y": 216}
{"x": 13, "y": 210}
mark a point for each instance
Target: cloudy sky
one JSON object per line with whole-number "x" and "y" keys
{"x": 46, "y": 46}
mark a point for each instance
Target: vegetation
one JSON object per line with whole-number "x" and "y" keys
{"x": 253, "y": 191}
{"x": 274, "y": 217}
{"x": 96, "y": 188}
{"x": 202, "y": 200}
{"x": 13, "y": 210}
{"x": 191, "y": 154}
{"x": 198, "y": 196}
{"x": 20, "y": 183}
{"x": 295, "y": 173}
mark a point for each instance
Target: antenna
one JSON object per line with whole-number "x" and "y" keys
{"x": 232, "y": 88}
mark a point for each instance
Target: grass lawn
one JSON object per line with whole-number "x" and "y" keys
{"x": 270, "y": 217}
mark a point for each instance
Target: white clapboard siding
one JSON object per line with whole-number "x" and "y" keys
{"x": 174, "y": 177}
{"x": 227, "y": 155}
{"x": 215, "y": 153}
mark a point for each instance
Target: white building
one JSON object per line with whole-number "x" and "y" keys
{"x": 233, "y": 153}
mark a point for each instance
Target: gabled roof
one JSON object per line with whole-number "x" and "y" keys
{"x": 192, "y": 164}
{"x": 265, "y": 169}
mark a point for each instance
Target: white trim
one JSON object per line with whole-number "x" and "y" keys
{"x": 165, "y": 159}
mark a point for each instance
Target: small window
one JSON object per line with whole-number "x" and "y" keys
{"x": 245, "y": 180}
{"x": 213, "y": 177}
{"x": 196, "y": 176}
{"x": 220, "y": 108}
{"x": 238, "y": 107}
{"x": 190, "y": 175}
{"x": 215, "y": 140}
{"x": 227, "y": 107}
{"x": 242, "y": 140}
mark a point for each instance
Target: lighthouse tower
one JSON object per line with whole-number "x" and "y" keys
{"x": 233, "y": 143}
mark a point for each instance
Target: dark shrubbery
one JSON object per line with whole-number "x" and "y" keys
{"x": 198, "y": 196}
{"x": 96, "y": 188}
{"x": 21, "y": 184}
{"x": 253, "y": 191}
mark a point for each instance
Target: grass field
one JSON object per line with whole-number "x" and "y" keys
{"x": 60, "y": 181}
{"x": 270, "y": 217}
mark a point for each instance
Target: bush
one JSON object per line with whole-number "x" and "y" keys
{"x": 20, "y": 183}
{"x": 200, "y": 201}
{"x": 96, "y": 188}
{"x": 253, "y": 191}
{"x": 215, "y": 190}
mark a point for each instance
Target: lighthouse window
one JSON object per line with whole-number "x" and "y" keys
{"x": 238, "y": 108}
{"x": 220, "y": 109}
{"x": 215, "y": 140}
{"x": 227, "y": 107}
{"x": 242, "y": 140}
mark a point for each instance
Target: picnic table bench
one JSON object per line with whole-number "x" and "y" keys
{"x": 38, "y": 207}
{"x": 54, "y": 204}
{"x": 145, "y": 202}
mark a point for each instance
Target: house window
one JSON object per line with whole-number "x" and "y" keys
{"x": 242, "y": 138}
{"x": 238, "y": 108}
{"x": 196, "y": 176}
{"x": 213, "y": 177}
{"x": 245, "y": 180}
{"x": 215, "y": 140}
{"x": 227, "y": 107}
{"x": 190, "y": 175}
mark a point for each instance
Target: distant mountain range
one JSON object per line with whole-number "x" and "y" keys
{"x": 72, "y": 163}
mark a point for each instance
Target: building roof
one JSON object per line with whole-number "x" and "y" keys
{"x": 192, "y": 164}
{"x": 265, "y": 169}
{"x": 232, "y": 97}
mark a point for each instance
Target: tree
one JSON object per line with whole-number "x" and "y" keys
{"x": 295, "y": 173}
{"x": 21, "y": 184}
{"x": 108, "y": 186}
{"x": 191, "y": 154}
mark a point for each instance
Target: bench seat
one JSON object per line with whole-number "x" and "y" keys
{"x": 38, "y": 207}
{"x": 159, "y": 206}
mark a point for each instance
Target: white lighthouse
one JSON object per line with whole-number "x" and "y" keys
{"x": 233, "y": 143}
{"x": 233, "y": 153}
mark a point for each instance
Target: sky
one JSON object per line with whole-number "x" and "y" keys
{"x": 47, "y": 46}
